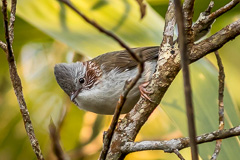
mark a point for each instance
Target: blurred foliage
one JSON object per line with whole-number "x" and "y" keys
{"x": 47, "y": 32}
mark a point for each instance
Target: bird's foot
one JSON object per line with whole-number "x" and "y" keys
{"x": 144, "y": 92}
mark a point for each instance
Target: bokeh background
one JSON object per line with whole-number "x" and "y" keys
{"x": 47, "y": 32}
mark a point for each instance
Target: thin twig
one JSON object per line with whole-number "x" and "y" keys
{"x": 142, "y": 8}
{"x": 222, "y": 10}
{"x": 209, "y": 9}
{"x": 54, "y": 134}
{"x": 184, "y": 50}
{"x": 3, "y": 46}
{"x": 16, "y": 82}
{"x": 204, "y": 20}
{"x": 109, "y": 134}
{"x": 178, "y": 154}
{"x": 221, "y": 79}
{"x": 179, "y": 143}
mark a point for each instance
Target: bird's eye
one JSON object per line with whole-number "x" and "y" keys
{"x": 81, "y": 80}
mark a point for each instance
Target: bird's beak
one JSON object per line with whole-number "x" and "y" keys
{"x": 75, "y": 94}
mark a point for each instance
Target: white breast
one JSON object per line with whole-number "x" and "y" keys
{"x": 103, "y": 97}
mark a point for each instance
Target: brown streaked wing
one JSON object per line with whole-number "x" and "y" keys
{"x": 122, "y": 59}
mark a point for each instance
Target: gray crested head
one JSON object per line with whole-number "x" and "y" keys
{"x": 67, "y": 75}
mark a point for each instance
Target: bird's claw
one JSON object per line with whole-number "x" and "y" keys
{"x": 144, "y": 92}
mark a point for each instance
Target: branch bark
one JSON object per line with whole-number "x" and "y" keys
{"x": 179, "y": 143}
{"x": 215, "y": 41}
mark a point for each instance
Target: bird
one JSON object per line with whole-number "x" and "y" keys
{"x": 96, "y": 85}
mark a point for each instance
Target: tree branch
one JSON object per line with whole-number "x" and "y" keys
{"x": 179, "y": 143}
{"x": 215, "y": 41}
{"x": 16, "y": 81}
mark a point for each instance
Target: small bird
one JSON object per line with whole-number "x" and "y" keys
{"x": 96, "y": 85}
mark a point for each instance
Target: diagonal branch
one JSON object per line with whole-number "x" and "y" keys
{"x": 16, "y": 82}
{"x": 221, "y": 11}
{"x": 215, "y": 41}
{"x": 179, "y": 143}
{"x": 184, "y": 46}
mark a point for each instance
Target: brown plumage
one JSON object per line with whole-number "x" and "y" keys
{"x": 122, "y": 60}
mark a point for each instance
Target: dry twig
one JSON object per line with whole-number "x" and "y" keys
{"x": 221, "y": 79}
{"x": 184, "y": 46}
